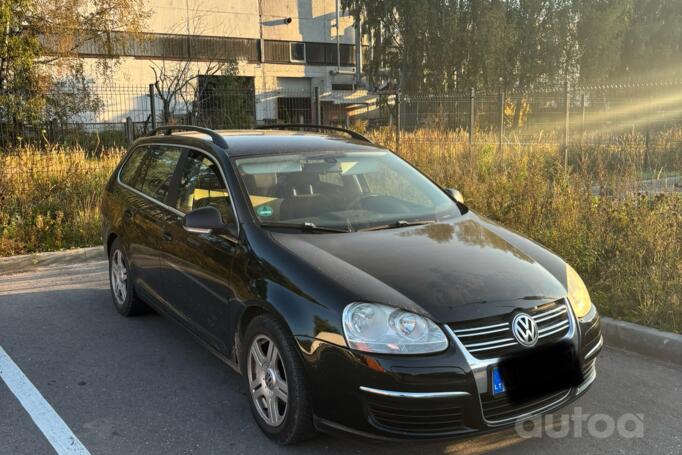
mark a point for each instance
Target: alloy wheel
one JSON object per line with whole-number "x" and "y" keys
{"x": 119, "y": 277}
{"x": 268, "y": 380}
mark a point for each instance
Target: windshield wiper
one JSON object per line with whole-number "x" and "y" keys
{"x": 307, "y": 226}
{"x": 398, "y": 224}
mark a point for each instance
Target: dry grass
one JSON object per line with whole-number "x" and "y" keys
{"x": 627, "y": 246}
{"x": 49, "y": 200}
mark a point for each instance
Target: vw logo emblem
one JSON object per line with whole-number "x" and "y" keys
{"x": 525, "y": 329}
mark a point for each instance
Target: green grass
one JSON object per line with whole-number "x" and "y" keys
{"x": 627, "y": 246}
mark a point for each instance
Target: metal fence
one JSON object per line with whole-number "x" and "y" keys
{"x": 585, "y": 115}
{"x": 588, "y": 115}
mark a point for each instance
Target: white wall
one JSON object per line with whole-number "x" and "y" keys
{"x": 123, "y": 90}
{"x": 312, "y": 20}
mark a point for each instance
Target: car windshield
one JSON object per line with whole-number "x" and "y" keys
{"x": 344, "y": 191}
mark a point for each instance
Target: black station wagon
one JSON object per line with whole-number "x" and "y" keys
{"x": 351, "y": 292}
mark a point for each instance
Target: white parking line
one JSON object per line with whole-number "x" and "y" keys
{"x": 44, "y": 416}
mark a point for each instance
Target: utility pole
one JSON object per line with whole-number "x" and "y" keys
{"x": 358, "y": 50}
{"x": 338, "y": 39}
{"x": 261, "y": 44}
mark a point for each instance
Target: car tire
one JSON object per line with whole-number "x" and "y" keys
{"x": 292, "y": 421}
{"x": 123, "y": 294}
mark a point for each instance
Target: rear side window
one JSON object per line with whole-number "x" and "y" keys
{"x": 156, "y": 171}
{"x": 201, "y": 185}
{"x": 129, "y": 171}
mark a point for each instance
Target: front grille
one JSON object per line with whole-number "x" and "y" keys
{"x": 492, "y": 337}
{"x": 501, "y": 408}
{"x": 431, "y": 420}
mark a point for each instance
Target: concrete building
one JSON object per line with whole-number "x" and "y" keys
{"x": 285, "y": 52}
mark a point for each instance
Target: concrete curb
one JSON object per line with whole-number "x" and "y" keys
{"x": 636, "y": 338}
{"x": 28, "y": 262}
{"x": 643, "y": 340}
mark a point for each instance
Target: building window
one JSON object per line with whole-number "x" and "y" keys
{"x": 347, "y": 55}
{"x": 168, "y": 46}
{"x": 325, "y": 54}
{"x": 219, "y": 48}
{"x": 342, "y": 87}
{"x": 297, "y": 52}
{"x": 314, "y": 53}
{"x": 276, "y": 51}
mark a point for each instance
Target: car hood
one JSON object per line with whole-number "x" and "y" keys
{"x": 450, "y": 271}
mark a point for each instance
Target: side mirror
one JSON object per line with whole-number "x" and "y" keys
{"x": 455, "y": 194}
{"x": 203, "y": 220}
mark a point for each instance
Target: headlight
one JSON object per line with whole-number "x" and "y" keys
{"x": 371, "y": 327}
{"x": 577, "y": 293}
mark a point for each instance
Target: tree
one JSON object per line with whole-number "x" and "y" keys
{"x": 601, "y": 30}
{"x": 652, "y": 43}
{"x": 488, "y": 44}
{"x": 209, "y": 92}
{"x": 213, "y": 95}
{"x": 177, "y": 83}
{"x": 521, "y": 45}
{"x": 39, "y": 50}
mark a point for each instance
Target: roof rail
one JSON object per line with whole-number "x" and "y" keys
{"x": 168, "y": 130}
{"x": 293, "y": 126}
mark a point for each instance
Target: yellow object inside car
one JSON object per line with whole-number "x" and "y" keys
{"x": 260, "y": 200}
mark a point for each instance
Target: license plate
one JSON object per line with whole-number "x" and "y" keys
{"x": 498, "y": 384}
{"x": 536, "y": 372}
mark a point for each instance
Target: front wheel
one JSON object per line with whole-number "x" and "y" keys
{"x": 273, "y": 375}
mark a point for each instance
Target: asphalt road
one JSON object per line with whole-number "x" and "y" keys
{"x": 144, "y": 386}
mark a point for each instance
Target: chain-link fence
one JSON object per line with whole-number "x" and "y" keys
{"x": 586, "y": 115}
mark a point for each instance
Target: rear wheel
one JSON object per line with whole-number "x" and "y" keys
{"x": 273, "y": 375}
{"x": 122, "y": 291}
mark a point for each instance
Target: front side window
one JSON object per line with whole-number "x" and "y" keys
{"x": 201, "y": 185}
{"x": 343, "y": 190}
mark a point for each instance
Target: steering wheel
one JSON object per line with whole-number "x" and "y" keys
{"x": 356, "y": 202}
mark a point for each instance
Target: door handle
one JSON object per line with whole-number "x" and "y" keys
{"x": 167, "y": 236}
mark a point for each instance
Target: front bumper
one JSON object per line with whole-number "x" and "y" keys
{"x": 439, "y": 396}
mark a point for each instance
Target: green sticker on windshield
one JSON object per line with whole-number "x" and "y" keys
{"x": 264, "y": 211}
